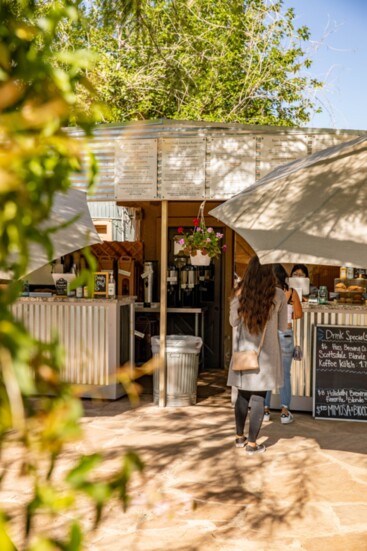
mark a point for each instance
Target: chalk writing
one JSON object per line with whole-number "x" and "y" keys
{"x": 101, "y": 283}
{"x": 340, "y": 372}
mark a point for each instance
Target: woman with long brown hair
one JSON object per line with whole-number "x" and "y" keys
{"x": 258, "y": 311}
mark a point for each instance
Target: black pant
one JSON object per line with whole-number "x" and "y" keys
{"x": 257, "y": 412}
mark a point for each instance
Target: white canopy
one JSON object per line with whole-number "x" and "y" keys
{"x": 77, "y": 235}
{"x": 313, "y": 210}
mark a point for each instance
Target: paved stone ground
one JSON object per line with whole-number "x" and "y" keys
{"x": 307, "y": 492}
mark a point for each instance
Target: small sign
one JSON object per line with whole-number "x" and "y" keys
{"x": 101, "y": 283}
{"x": 136, "y": 169}
{"x": 183, "y": 168}
{"x": 125, "y": 273}
{"x": 231, "y": 165}
{"x": 61, "y": 285}
{"x": 280, "y": 149}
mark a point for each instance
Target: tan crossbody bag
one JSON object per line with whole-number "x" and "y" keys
{"x": 247, "y": 360}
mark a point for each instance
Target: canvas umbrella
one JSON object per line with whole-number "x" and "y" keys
{"x": 313, "y": 210}
{"x": 80, "y": 233}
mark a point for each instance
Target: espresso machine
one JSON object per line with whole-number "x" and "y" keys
{"x": 148, "y": 279}
{"x": 172, "y": 286}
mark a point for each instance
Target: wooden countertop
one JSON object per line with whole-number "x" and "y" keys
{"x": 334, "y": 306}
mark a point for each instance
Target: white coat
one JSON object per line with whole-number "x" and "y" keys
{"x": 270, "y": 373}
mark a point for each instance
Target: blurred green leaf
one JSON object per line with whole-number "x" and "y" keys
{"x": 78, "y": 474}
{"x": 5, "y": 542}
{"x": 40, "y": 85}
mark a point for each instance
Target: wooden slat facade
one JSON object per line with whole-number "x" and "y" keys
{"x": 272, "y": 146}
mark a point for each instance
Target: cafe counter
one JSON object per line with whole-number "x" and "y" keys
{"x": 97, "y": 336}
{"x": 302, "y": 371}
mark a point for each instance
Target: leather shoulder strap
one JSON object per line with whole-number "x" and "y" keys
{"x": 240, "y": 328}
{"x": 262, "y": 339}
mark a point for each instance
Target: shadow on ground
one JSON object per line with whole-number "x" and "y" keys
{"x": 199, "y": 492}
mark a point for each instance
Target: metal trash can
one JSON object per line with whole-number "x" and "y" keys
{"x": 182, "y": 353}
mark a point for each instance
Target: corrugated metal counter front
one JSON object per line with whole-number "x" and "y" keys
{"x": 316, "y": 314}
{"x": 97, "y": 336}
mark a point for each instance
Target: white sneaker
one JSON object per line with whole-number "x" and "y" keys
{"x": 251, "y": 450}
{"x": 285, "y": 419}
{"x": 266, "y": 416}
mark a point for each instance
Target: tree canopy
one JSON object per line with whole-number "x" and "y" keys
{"x": 213, "y": 60}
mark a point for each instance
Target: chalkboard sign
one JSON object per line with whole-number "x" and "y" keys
{"x": 340, "y": 372}
{"x": 101, "y": 283}
{"x": 61, "y": 285}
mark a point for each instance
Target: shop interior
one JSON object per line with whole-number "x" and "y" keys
{"x": 197, "y": 296}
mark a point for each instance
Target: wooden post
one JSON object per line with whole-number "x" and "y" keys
{"x": 163, "y": 307}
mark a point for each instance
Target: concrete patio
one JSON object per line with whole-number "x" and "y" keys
{"x": 198, "y": 492}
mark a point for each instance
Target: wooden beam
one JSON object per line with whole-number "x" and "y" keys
{"x": 163, "y": 307}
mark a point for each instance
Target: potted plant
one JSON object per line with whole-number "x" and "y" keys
{"x": 200, "y": 243}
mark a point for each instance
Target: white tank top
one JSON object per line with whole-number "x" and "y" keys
{"x": 290, "y": 313}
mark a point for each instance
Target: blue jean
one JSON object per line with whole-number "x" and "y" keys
{"x": 287, "y": 347}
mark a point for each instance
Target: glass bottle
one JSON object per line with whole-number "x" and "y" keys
{"x": 111, "y": 287}
{"x": 350, "y": 272}
{"x": 323, "y": 295}
{"x": 25, "y": 290}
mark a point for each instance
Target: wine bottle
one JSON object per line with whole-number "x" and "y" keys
{"x": 111, "y": 287}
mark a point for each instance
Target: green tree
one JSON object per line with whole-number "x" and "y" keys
{"x": 214, "y": 60}
{"x": 38, "y": 97}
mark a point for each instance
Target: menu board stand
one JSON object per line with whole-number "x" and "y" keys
{"x": 101, "y": 284}
{"x": 340, "y": 373}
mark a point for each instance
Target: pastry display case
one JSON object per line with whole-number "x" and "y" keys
{"x": 350, "y": 291}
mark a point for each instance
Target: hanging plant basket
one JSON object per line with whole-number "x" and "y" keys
{"x": 199, "y": 238}
{"x": 200, "y": 259}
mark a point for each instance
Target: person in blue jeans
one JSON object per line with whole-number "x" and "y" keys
{"x": 287, "y": 346}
